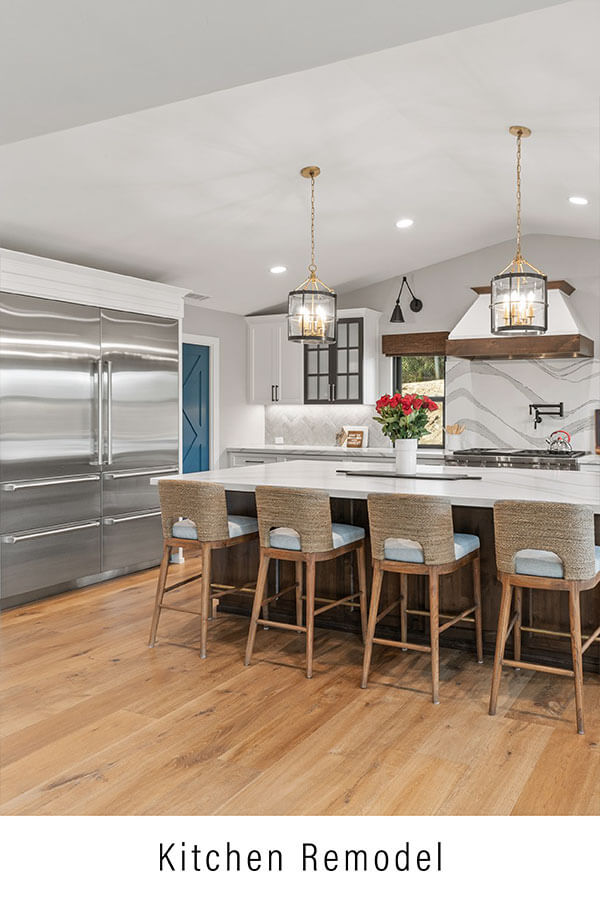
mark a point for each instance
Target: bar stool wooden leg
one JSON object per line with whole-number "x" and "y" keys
{"x": 477, "y": 613}
{"x": 160, "y": 592}
{"x": 503, "y": 618}
{"x": 205, "y": 599}
{"x": 261, "y": 580}
{"x": 373, "y": 610}
{"x": 310, "y": 613}
{"x": 575, "y": 625}
{"x": 434, "y": 626}
{"x": 362, "y": 588}
{"x": 299, "y": 592}
{"x": 518, "y": 622}
{"x": 403, "y": 613}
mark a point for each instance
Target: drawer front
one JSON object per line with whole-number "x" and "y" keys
{"x": 43, "y": 558}
{"x": 29, "y": 505}
{"x": 128, "y": 492}
{"x": 254, "y": 459}
{"x": 131, "y": 540}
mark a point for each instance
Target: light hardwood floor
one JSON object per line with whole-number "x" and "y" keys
{"x": 93, "y": 722}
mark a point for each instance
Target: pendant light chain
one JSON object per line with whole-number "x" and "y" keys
{"x": 313, "y": 267}
{"x": 518, "y": 255}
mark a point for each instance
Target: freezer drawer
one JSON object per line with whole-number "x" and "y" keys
{"x": 37, "y": 559}
{"x": 132, "y": 540}
{"x": 27, "y": 505}
{"x": 127, "y": 492}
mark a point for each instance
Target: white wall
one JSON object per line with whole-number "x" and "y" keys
{"x": 241, "y": 423}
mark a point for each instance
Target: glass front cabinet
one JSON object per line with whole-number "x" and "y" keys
{"x": 334, "y": 373}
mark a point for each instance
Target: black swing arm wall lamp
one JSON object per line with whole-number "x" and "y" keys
{"x": 416, "y": 305}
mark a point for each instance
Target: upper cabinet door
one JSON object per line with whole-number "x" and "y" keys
{"x": 288, "y": 359}
{"x": 348, "y": 362}
{"x": 334, "y": 374}
{"x": 140, "y": 367}
{"x": 48, "y": 388}
{"x": 274, "y": 363}
{"x": 261, "y": 362}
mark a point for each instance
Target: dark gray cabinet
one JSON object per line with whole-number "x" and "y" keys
{"x": 334, "y": 374}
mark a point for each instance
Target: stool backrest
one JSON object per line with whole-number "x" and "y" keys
{"x": 413, "y": 517}
{"x": 306, "y": 511}
{"x": 201, "y": 501}
{"x": 563, "y": 528}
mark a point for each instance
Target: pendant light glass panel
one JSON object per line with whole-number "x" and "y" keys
{"x": 519, "y": 303}
{"x": 312, "y": 315}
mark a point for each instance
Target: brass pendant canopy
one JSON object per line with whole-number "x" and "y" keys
{"x": 519, "y": 294}
{"x": 312, "y": 306}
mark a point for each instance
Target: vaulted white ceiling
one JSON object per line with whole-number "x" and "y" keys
{"x": 205, "y": 192}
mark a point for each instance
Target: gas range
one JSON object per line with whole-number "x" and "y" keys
{"x": 524, "y": 459}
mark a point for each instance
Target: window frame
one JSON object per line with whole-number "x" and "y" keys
{"x": 397, "y": 380}
{"x": 332, "y": 371}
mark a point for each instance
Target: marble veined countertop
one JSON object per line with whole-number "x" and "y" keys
{"x": 491, "y": 485}
{"x": 358, "y": 452}
{"x": 326, "y": 450}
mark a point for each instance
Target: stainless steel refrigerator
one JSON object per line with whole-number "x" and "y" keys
{"x": 89, "y": 411}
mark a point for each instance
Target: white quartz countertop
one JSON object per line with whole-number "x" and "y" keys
{"x": 325, "y": 450}
{"x": 491, "y": 485}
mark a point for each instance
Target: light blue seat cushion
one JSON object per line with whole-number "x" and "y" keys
{"x": 544, "y": 563}
{"x": 402, "y": 550}
{"x": 288, "y": 539}
{"x": 238, "y": 525}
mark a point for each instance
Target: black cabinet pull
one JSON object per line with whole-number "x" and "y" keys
{"x": 277, "y": 393}
{"x": 272, "y": 393}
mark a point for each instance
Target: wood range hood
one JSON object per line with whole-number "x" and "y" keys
{"x": 471, "y": 338}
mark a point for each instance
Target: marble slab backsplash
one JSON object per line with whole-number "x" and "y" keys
{"x": 491, "y": 398}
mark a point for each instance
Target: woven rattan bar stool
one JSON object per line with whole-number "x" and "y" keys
{"x": 206, "y": 526}
{"x": 414, "y": 535}
{"x": 295, "y": 524}
{"x": 547, "y": 546}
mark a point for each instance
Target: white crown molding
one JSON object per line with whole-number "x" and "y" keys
{"x": 35, "y": 276}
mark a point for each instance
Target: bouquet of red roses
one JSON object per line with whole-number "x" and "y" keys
{"x": 404, "y": 416}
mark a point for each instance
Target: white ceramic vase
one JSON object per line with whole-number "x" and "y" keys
{"x": 406, "y": 456}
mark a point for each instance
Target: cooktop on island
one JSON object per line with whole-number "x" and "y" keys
{"x": 530, "y": 458}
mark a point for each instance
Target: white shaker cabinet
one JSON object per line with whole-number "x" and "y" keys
{"x": 274, "y": 363}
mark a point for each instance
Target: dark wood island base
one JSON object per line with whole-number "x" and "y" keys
{"x": 547, "y": 614}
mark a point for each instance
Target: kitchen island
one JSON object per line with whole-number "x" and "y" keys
{"x": 472, "y": 498}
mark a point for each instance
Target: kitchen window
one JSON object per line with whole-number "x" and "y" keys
{"x": 424, "y": 375}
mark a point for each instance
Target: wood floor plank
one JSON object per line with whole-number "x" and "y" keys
{"x": 564, "y": 782}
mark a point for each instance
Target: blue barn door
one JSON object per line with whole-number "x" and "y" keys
{"x": 196, "y": 404}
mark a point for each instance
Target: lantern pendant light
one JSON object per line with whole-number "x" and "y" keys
{"x": 519, "y": 302}
{"x": 312, "y": 306}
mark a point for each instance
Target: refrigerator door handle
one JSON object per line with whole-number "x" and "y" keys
{"x": 16, "y": 538}
{"x": 116, "y": 520}
{"x": 109, "y": 452}
{"x": 48, "y": 482}
{"x": 99, "y": 421}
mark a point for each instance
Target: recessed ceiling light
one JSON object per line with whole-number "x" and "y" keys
{"x": 404, "y": 223}
{"x": 578, "y": 201}
{"x": 278, "y": 270}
